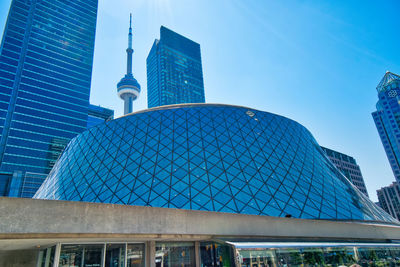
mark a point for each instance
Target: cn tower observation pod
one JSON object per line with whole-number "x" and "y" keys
{"x": 128, "y": 90}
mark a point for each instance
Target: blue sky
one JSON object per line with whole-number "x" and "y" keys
{"x": 317, "y": 62}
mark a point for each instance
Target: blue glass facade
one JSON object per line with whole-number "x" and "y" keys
{"x": 97, "y": 115}
{"x": 207, "y": 157}
{"x": 348, "y": 166}
{"x": 174, "y": 71}
{"x": 387, "y": 119}
{"x": 45, "y": 74}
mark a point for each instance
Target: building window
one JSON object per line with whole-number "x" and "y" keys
{"x": 135, "y": 255}
{"x": 175, "y": 254}
{"x": 81, "y": 255}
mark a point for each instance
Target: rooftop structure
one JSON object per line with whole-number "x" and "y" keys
{"x": 387, "y": 80}
{"x": 128, "y": 88}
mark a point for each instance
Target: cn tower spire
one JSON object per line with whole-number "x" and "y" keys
{"x": 129, "y": 50}
{"x": 128, "y": 88}
{"x": 130, "y": 32}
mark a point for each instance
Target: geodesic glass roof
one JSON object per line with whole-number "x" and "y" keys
{"x": 207, "y": 157}
{"x": 387, "y": 79}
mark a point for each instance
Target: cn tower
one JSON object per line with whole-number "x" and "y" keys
{"x": 128, "y": 88}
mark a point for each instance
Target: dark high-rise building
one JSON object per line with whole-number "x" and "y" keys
{"x": 97, "y": 115}
{"x": 387, "y": 119}
{"x": 174, "y": 71}
{"x": 389, "y": 199}
{"x": 348, "y": 166}
{"x": 46, "y": 59}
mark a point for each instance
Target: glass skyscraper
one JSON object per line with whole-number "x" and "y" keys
{"x": 174, "y": 71}
{"x": 387, "y": 119}
{"x": 98, "y": 114}
{"x": 46, "y": 59}
{"x": 348, "y": 166}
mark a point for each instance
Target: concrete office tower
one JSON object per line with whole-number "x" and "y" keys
{"x": 98, "y": 114}
{"x": 389, "y": 199}
{"x": 174, "y": 71}
{"x": 387, "y": 119}
{"x": 348, "y": 166}
{"x": 46, "y": 57}
{"x": 128, "y": 88}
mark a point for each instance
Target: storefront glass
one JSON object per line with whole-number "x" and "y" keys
{"x": 215, "y": 254}
{"x": 135, "y": 255}
{"x": 346, "y": 256}
{"x": 46, "y": 257}
{"x": 115, "y": 255}
{"x": 175, "y": 254}
{"x": 81, "y": 255}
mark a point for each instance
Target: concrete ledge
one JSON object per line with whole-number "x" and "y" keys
{"x": 31, "y": 218}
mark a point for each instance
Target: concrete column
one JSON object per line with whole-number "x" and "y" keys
{"x": 40, "y": 258}
{"x": 103, "y": 255}
{"x": 57, "y": 255}
{"x": 150, "y": 254}
{"x": 47, "y": 261}
{"x": 197, "y": 253}
{"x": 126, "y": 255}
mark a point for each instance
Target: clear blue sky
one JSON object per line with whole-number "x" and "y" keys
{"x": 317, "y": 62}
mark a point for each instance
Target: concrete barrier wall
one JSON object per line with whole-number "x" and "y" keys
{"x": 24, "y": 218}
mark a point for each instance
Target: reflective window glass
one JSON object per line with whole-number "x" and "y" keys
{"x": 81, "y": 255}
{"x": 319, "y": 256}
{"x": 175, "y": 254}
{"x": 213, "y": 254}
{"x": 135, "y": 255}
{"x": 115, "y": 255}
{"x": 46, "y": 257}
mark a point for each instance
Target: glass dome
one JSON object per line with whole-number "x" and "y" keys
{"x": 207, "y": 157}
